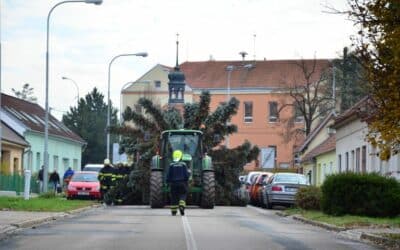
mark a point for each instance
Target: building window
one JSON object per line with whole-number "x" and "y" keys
{"x": 340, "y": 163}
{"x": 157, "y": 83}
{"x": 357, "y": 160}
{"x": 75, "y": 164}
{"x": 138, "y": 108}
{"x": 55, "y": 162}
{"x": 298, "y": 115}
{"x": 16, "y": 166}
{"x": 65, "y": 163}
{"x": 248, "y": 111}
{"x": 364, "y": 159}
{"x": 273, "y": 112}
{"x": 347, "y": 161}
{"x": 38, "y": 161}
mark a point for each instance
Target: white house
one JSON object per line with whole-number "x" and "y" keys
{"x": 353, "y": 151}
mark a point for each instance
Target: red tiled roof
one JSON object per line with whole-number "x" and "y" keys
{"x": 354, "y": 111}
{"x": 325, "y": 147}
{"x": 33, "y": 116}
{"x": 315, "y": 132}
{"x": 275, "y": 73}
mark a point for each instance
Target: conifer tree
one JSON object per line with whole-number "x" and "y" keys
{"x": 141, "y": 142}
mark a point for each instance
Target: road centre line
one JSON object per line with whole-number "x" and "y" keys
{"x": 190, "y": 242}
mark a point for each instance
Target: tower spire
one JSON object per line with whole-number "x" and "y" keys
{"x": 177, "y": 51}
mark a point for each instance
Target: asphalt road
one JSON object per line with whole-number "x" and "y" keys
{"x": 139, "y": 227}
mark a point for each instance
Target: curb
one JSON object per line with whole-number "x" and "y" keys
{"x": 35, "y": 222}
{"x": 380, "y": 240}
{"x": 30, "y": 223}
{"x": 348, "y": 233}
{"x": 83, "y": 209}
{"x": 319, "y": 224}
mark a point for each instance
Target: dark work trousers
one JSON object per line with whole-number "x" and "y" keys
{"x": 178, "y": 192}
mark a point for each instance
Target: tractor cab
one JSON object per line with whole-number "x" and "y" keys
{"x": 189, "y": 142}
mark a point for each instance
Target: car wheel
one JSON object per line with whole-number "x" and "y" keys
{"x": 261, "y": 199}
{"x": 268, "y": 205}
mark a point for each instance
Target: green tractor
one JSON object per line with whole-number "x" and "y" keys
{"x": 202, "y": 181}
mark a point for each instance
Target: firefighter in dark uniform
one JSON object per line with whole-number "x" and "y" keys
{"x": 107, "y": 179}
{"x": 119, "y": 177}
{"x": 177, "y": 177}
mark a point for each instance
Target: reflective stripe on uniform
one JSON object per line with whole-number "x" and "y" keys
{"x": 182, "y": 203}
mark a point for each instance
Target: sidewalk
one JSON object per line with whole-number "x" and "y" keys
{"x": 369, "y": 234}
{"x": 11, "y": 221}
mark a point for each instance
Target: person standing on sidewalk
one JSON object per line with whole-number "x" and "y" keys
{"x": 54, "y": 179}
{"x": 177, "y": 177}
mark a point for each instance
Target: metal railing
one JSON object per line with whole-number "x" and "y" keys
{"x": 16, "y": 183}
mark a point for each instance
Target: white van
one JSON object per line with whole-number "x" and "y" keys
{"x": 92, "y": 167}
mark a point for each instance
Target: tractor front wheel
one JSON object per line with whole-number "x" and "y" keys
{"x": 156, "y": 185}
{"x": 208, "y": 194}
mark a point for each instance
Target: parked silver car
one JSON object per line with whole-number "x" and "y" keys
{"x": 281, "y": 189}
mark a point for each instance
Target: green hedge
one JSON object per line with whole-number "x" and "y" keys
{"x": 360, "y": 194}
{"x": 309, "y": 198}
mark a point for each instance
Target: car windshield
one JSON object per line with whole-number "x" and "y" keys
{"x": 86, "y": 177}
{"x": 296, "y": 179}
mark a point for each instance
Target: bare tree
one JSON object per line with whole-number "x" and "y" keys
{"x": 311, "y": 95}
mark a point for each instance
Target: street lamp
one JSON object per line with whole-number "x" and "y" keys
{"x": 76, "y": 85}
{"x": 141, "y": 54}
{"x": 46, "y": 125}
{"x": 231, "y": 68}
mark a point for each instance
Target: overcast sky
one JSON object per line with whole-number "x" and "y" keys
{"x": 85, "y": 37}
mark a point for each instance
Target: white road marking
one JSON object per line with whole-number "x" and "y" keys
{"x": 190, "y": 242}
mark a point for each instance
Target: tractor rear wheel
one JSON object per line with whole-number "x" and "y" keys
{"x": 208, "y": 194}
{"x": 156, "y": 185}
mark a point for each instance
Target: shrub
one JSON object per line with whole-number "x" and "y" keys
{"x": 360, "y": 194}
{"x": 309, "y": 198}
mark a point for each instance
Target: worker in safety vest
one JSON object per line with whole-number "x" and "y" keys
{"x": 177, "y": 177}
{"x": 107, "y": 178}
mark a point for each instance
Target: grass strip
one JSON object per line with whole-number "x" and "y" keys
{"x": 39, "y": 204}
{"x": 348, "y": 221}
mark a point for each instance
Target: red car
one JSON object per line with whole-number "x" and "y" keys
{"x": 256, "y": 187}
{"x": 84, "y": 184}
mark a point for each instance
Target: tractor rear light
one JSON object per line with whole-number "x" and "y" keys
{"x": 277, "y": 188}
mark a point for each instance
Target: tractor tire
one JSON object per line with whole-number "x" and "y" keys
{"x": 156, "y": 185}
{"x": 208, "y": 194}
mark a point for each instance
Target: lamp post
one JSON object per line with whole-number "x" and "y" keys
{"x": 231, "y": 68}
{"x": 141, "y": 54}
{"x": 76, "y": 85}
{"x": 46, "y": 125}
